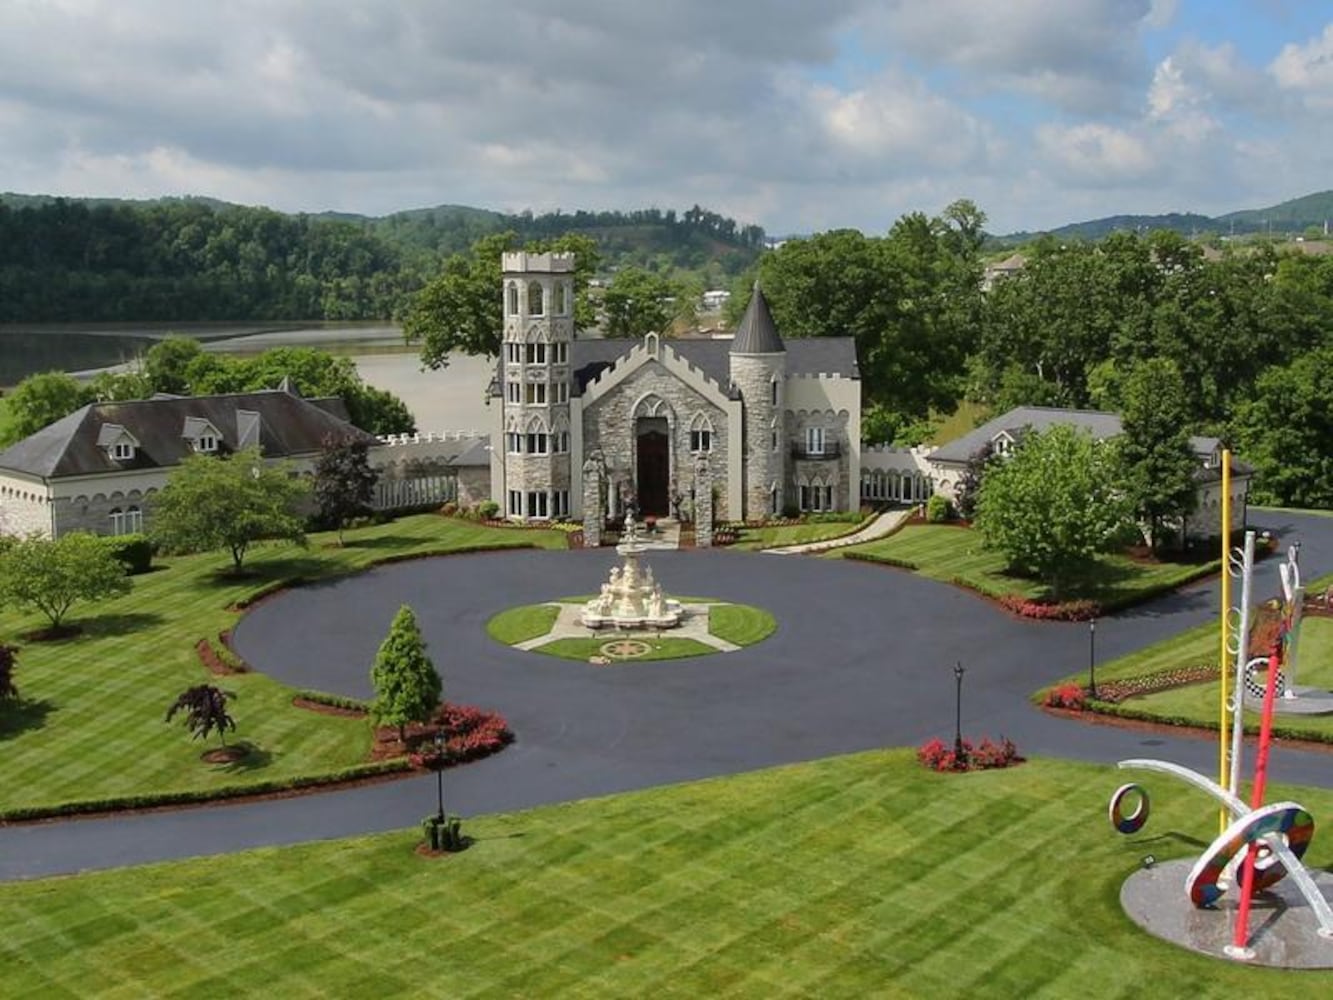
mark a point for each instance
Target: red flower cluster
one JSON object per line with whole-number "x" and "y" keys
{"x": 1066, "y": 611}
{"x": 940, "y": 756}
{"x": 470, "y": 733}
{"x": 1070, "y": 696}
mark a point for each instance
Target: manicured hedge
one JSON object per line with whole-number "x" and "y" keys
{"x": 135, "y": 551}
{"x": 333, "y": 700}
{"x": 121, "y": 803}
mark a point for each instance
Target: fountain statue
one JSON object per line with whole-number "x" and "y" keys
{"x": 631, "y": 598}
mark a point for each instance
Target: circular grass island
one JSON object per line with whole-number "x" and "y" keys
{"x": 555, "y": 629}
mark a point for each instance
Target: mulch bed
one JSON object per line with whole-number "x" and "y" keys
{"x": 424, "y": 850}
{"x": 224, "y": 755}
{"x": 1188, "y": 732}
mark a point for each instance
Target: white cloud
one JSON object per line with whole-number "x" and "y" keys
{"x": 1308, "y": 69}
{"x": 1079, "y": 54}
{"x": 1037, "y": 111}
{"x": 1096, "y": 155}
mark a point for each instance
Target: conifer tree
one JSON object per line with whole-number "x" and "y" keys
{"x": 407, "y": 686}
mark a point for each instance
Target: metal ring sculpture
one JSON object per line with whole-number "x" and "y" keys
{"x": 1132, "y": 823}
{"x": 1281, "y": 819}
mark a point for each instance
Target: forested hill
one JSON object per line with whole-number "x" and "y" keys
{"x": 1294, "y": 216}
{"x": 111, "y": 260}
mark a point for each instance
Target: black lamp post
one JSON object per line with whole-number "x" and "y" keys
{"x": 1092, "y": 658}
{"x": 958, "y": 752}
{"x": 439, "y": 770}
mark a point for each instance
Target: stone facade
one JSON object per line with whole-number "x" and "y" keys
{"x": 650, "y": 408}
{"x": 761, "y": 379}
{"x": 652, "y": 398}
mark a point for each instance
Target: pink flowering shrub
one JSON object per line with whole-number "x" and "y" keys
{"x": 470, "y": 733}
{"x": 941, "y": 756}
{"x": 1066, "y": 611}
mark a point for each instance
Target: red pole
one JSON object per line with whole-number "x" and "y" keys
{"x": 1241, "y": 938}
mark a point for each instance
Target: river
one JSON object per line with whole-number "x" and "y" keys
{"x": 452, "y": 398}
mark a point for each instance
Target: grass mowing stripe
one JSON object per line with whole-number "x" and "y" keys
{"x": 890, "y": 880}
{"x": 91, "y": 726}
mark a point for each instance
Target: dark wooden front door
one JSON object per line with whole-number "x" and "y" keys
{"x": 654, "y": 473}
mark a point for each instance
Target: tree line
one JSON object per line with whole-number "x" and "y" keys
{"x": 192, "y": 260}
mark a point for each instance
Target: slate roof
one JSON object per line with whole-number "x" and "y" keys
{"x": 757, "y": 333}
{"x": 1021, "y": 419}
{"x": 477, "y": 453}
{"x": 289, "y": 425}
{"x": 805, "y": 356}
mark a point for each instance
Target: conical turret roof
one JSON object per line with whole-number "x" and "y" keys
{"x": 757, "y": 333}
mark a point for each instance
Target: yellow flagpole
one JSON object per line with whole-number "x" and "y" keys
{"x": 1224, "y": 716}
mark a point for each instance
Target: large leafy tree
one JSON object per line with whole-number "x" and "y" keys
{"x": 1160, "y": 467}
{"x": 228, "y": 502}
{"x": 40, "y": 400}
{"x": 344, "y": 482}
{"x": 461, "y": 310}
{"x": 638, "y": 301}
{"x": 1285, "y": 431}
{"x": 1052, "y": 505}
{"x": 205, "y": 708}
{"x": 167, "y": 362}
{"x": 51, "y": 576}
{"x": 910, "y": 300}
{"x": 407, "y": 686}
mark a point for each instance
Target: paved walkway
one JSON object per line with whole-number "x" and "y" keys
{"x": 883, "y": 523}
{"x": 863, "y": 658}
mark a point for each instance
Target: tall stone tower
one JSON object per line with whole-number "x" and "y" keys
{"x": 536, "y": 375}
{"x": 759, "y": 372}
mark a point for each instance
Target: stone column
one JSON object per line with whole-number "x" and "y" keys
{"x": 703, "y": 504}
{"x": 594, "y": 514}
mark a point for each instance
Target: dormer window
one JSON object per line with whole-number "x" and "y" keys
{"x": 119, "y": 443}
{"x": 1002, "y": 444}
{"x": 202, "y": 435}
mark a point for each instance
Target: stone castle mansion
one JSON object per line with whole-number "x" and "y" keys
{"x": 717, "y": 429}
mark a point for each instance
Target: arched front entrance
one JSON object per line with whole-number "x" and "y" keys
{"x": 653, "y": 472}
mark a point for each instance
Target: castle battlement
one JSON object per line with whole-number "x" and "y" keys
{"x": 545, "y": 263}
{"x": 397, "y": 440}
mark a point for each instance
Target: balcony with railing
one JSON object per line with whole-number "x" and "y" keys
{"x": 802, "y": 451}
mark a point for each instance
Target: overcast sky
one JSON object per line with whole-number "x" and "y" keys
{"x": 799, "y": 115}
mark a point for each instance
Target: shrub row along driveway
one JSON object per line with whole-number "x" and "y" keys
{"x": 863, "y": 657}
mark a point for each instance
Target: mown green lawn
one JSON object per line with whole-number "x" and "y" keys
{"x": 659, "y": 647}
{"x": 955, "y": 554}
{"x": 515, "y": 625}
{"x": 776, "y": 536}
{"x": 966, "y": 417}
{"x": 740, "y": 624}
{"x": 848, "y": 877}
{"x": 1197, "y": 704}
{"x": 90, "y": 725}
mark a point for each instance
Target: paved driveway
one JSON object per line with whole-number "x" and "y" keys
{"x": 863, "y": 658}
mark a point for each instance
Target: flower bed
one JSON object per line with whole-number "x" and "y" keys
{"x": 986, "y": 755}
{"x": 1074, "y": 697}
{"x": 1063, "y": 611}
{"x": 470, "y": 734}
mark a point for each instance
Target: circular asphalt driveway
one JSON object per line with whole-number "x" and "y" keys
{"x": 863, "y": 658}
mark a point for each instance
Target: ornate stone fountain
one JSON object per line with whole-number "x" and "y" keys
{"x": 632, "y": 598}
